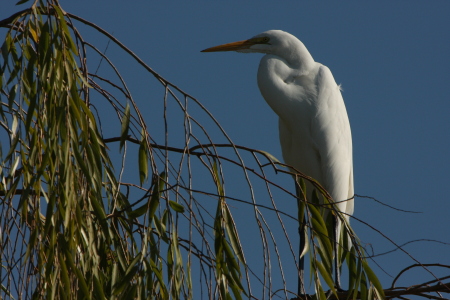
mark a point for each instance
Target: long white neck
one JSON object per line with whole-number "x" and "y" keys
{"x": 296, "y": 56}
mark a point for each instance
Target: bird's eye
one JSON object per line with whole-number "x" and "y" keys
{"x": 262, "y": 40}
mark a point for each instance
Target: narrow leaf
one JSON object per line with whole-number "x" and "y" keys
{"x": 138, "y": 211}
{"x": 143, "y": 162}
{"x": 176, "y": 206}
{"x": 270, "y": 156}
{"x": 326, "y": 275}
{"x": 156, "y": 195}
{"x": 373, "y": 279}
{"x": 129, "y": 274}
{"x": 125, "y": 126}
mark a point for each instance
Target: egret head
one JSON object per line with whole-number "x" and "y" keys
{"x": 275, "y": 42}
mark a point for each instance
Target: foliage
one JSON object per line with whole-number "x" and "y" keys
{"x": 72, "y": 226}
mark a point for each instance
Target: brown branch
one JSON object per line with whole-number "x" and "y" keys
{"x": 392, "y": 293}
{"x": 419, "y": 290}
{"x": 273, "y": 163}
{"x": 7, "y": 22}
{"x": 414, "y": 266}
{"x": 21, "y": 192}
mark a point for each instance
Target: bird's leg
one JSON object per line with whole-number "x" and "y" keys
{"x": 301, "y": 232}
{"x": 337, "y": 275}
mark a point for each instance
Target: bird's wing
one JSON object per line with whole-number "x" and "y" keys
{"x": 332, "y": 136}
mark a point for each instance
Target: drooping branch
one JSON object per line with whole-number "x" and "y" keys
{"x": 7, "y": 22}
{"x": 398, "y": 292}
{"x": 419, "y": 290}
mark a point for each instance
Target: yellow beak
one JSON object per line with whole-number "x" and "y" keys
{"x": 231, "y": 46}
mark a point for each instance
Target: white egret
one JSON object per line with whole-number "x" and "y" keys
{"x": 314, "y": 128}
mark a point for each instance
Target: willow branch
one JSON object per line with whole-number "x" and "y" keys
{"x": 393, "y": 293}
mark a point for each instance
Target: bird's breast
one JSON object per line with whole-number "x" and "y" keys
{"x": 288, "y": 92}
{"x": 293, "y": 96}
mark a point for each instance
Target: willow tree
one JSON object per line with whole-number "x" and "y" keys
{"x": 79, "y": 222}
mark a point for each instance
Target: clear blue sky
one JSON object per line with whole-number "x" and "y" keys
{"x": 391, "y": 57}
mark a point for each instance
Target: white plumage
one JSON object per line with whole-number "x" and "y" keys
{"x": 314, "y": 128}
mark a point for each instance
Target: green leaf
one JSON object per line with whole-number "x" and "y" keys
{"x": 12, "y": 96}
{"x": 71, "y": 266}
{"x": 65, "y": 28}
{"x": 233, "y": 235}
{"x": 15, "y": 71}
{"x": 64, "y": 274}
{"x": 125, "y": 126}
{"x": 217, "y": 179}
{"x": 138, "y": 211}
{"x": 270, "y": 156}
{"x": 319, "y": 227}
{"x": 176, "y": 206}
{"x": 326, "y": 275}
{"x": 364, "y": 288}
{"x": 236, "y": 290}
{"x": 360, "y": 277}
{"x": 143, "y": 161}
{"x": 351, "y": 265}
{"x": 320, "y": 292}
{"x": 159, "y": 275}
{"x": 160, "y": 227}
{"x": 152, "y": 204}
{"x": 373, "y": 279}
{"x": 156, "y": 195}
{"x": 128, "y": 277}
{"x": 231, "y": 261}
